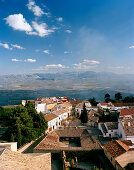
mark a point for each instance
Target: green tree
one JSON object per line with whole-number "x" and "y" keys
{"x": 12, "y": 138}
{"x": 118, "y": 96}
{"x": 84, "y": 115}
{"x": 107, "y": 97}
{"x": 93, "y": 101}
{"x": 24, "y": 124}
{"x": 19, "y": 136}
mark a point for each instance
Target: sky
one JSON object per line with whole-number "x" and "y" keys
{"x": 66, "y": 35}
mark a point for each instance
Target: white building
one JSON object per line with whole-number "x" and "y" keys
{"x": 53, "y": 121}
{"x": 61, "y": 113}
{"x": 79, "y": 108}
{"x": 109, "y": 129}
{"x": 9, "y": 145}
{"x": 126, "y": 129}
{"x": 41, "y": 107}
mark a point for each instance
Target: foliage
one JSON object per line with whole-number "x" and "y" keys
{"x": 111, "y": 117}
{"x": 107, "y": 97}
{"x": 128, "y": 99}
{"x": 84, "y": 115}
{"x": 24, "y": 124}
{"x": 118, "y": 96}
{"x": 93, "y": 101}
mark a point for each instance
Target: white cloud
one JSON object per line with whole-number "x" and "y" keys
{"x": 91, "y": 61}
{"x": 18, "y": 22}
{"x": 17, "y": 46}
{"x": 53, "y": 66}
{"x": 46, "y": 51}
{"x": 131, "y": 47}
{"x": 86, "y": 64}
{"x": 32, "y": 33}
{"x": 35, "y": 9}
{"x": 67, "y": 52}
{"x": 42, "y": 29}
{"x": 16, "y": 60}
{"x": 68, "y": 31}
{"x": 117, "y": 67}
{"x": 60, "y": 19}
{"x": 5, "y": 46}
{"x": 30, "y": 60}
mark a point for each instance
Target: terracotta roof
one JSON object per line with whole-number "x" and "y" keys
{"x": 66, "y": 104}
{"x": 121, "y": 143}
{"x": 125, "y": 112}
{"x": 50, "y": 117}
{"x": 10, "y": 160}
{"x": 60, "y": 111}
{"x": 123, "y": 104}
{"x": 52, "y": 141}
{"x": 79, "y": 105}
{"x": 112, "y": 125}
{"x": 92, "y": 116}
{"x": 103, "y": 103}
{"x": 116, "y": 148}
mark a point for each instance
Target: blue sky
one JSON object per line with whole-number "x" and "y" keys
{"x": 73, "y": 35}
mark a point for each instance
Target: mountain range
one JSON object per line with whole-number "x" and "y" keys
{"x": 73, "y": 84}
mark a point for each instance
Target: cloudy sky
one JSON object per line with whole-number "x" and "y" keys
{"x": 66, "y": 35}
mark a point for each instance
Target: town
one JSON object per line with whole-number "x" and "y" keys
{"x": 76, "y": 134}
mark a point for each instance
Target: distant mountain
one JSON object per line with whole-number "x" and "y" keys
{"x": 63, "y": 81}
{"x": 82, "y": 85}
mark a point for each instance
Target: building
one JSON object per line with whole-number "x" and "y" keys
{"x": 67, "y": 139}
{"x": 127, "y": 113}
{"x": 116, "y": 152}
{"x": 79, "y": 108}
{"x": 126, "y": 129}
{"x": 10, "y": 160}
{"x": 41, "y": 107}
{"x": 53, "y": 122}
{"x": 93, "y": 118}
{"x": 9, "y": 145}
{"x": 109, "y": 129}
{"x": 68, "y": 107}
{"x": 61, "y": 113}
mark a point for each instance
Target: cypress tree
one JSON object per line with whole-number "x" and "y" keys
{"x": 84, "y": 115}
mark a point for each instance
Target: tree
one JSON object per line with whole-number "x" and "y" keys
{"x": 93, "y": 101}
{"x": 128, "y": 99}
{"x": 84, "y": 115}
{"x": 12, "y": 138}
{"x": 107, "y": 97}
{"x": 118, "y": 96}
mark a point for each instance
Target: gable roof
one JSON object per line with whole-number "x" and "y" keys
{"x": 50, "y": 117}
{"x": 116, "y": 147}
{"x": 13, "y": 160}
{"x": 126, "y": 112}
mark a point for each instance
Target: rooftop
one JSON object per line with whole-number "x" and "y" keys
{"x": 116, "y": 147}
{"x": 50, "y": 117}
{"x": 52, "y": 141}
{"x": 126, "y": 112}
{"x": 112, "y": 125}
{"x": 10, "y": 160}
{"x": 126, "y": 158}
{"x": 128, "y": 126}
